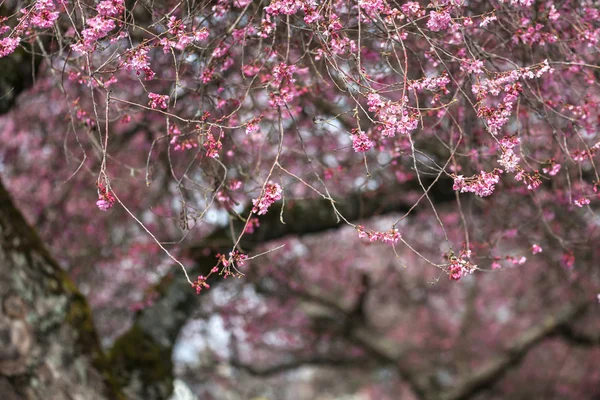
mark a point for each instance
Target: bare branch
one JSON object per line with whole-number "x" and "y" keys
{"x": 579, "y": 338}
{"x": 315, "y": 361}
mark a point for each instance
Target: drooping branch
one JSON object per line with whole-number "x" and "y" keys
{"x": 304, "y": 217}
{"x": 19, "y": 69}
{"x": 156, "y": 328}
{"x": 18, "y": 74}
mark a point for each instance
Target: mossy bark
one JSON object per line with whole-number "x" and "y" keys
{"x": 49, "y": 348}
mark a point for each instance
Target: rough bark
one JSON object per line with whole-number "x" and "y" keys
{"x": 48, "y": 345}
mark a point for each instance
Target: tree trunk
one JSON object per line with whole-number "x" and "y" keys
{"x": 48, "y": 345}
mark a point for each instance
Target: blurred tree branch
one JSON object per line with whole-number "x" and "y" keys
{"x": 496, "y": 368}
{"x": 578, "y": 338}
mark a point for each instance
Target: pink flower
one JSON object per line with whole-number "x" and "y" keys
{"x": 8, "y": 46}
{"x": 201, "y": 34}
{"x": 361, "y": 142}
{"x": 509, "y": 160}
{"x": 252, "y": 127}
{"x": 552, "y": 170}
{"x": 200, "y": 284}
{"x": 536, "y": 248}
{"x": 137, "y": 60}
{"x": 438, "y": 20}
{"x": 252, "y": 224}
{"x": 460, "y": 266}
{"x": 213, "y": 146}
{"x": 487, "y": 20}
{"x": 581, "y": 201}
{"x": 283, "y": 73}
{"x": 271, "y": 194}
{"x": 361, "y": 231}
{"x": 519, "y": 261}
{"x": 455, "y": 272}
{"x": 553, "y": 15}
{"x": 394, "y": 117}
{"x": 472, "y": 66}
{"x": 44, "y": 14}
{"x": 105, "y": 198}
{"x": 482, "y": 185}
{"x": 158, "y": 101}
{"x": 568, "y": 260}
{"x": 286, "y": 7}
{"x": 181, "y": 143}
{"x": 110, "y": 8}
{"x": 391, "y": 236}
{"x": 220, "y": 51}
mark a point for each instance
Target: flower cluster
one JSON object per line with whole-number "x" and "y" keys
{"x": 181, "y": 38}
{"x": 395, "y": 117}
{"x": 137, "y": 60}
{"x": 509, "y": 160}
{"x": 341, "y": 44}
{"x": 460, "y": 266}
{"x": 488, "y": 19}
{"x": 253, "y": 223}
{"x": 373, "y": 8}
{"x": 267, "y": 27}
{"x": 582, "y": 201}
{"x": 212, "y": 145}
{"x": 286, "y": 7}
{"x": 517, "y": 260}
{"x": 180, "y": 142}
{"x": 482, "y": 185}
{"x": 105, "y": 198}
{"x": 413, "y": 9}
{"x": 271, "y": 194}
{"x": 496, "y": 118}
{"x": 8, "y": 45}
{"x": 391, "y": 236}
{"x": 44, "y": 14}
{"x": 553, "y": 169}
{"x": 99, "y": 27}
{"x": 472, "y": 66}
{"x": 508, "y": 84}
{"x": 253, "y": 127}
{"x": 283, "y": 73}
{"x": 582, "y": 155}
{"x": 434, "y": 84}
{"x": 439, "y": 20}
{"x": 568, "y": 260}
{"x": 281, "y": 97}
{"x": 283, "y": 82}
{"x": 361, "y": 141}
{"x": 235, "y": 258}
{"x": 523, "y": 3}
{"x": 200, "y": 283}
{"x": 530, "y": 181}
{"x": 158, "y": 101}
